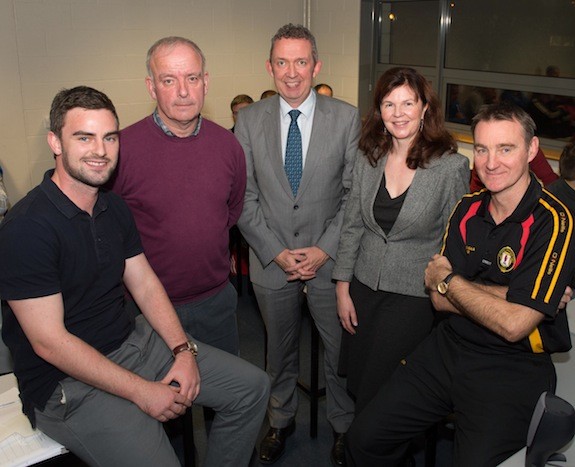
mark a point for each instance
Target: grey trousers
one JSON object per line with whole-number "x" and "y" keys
{"x": 212, "y": 320}
{"x": 281, "y": 312}
{"x": 106, "y": 430}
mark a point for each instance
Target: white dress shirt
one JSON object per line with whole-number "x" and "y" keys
{"x": 304, "y": 122}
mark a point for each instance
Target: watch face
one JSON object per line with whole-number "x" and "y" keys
{"x": 442, "y": 287}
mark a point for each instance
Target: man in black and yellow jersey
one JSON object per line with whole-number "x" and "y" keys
{"x": 506, "y": 261}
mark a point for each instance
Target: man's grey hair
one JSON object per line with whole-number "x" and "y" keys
{"x": 295, "y": 31}
{"x": 169, "y": 42}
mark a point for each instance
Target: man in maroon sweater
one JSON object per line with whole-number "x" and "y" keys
{"x": 184, "y": 179}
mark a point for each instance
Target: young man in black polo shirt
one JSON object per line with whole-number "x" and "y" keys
{"x": 89, "y": 376}
{"x": 506, "y": 261}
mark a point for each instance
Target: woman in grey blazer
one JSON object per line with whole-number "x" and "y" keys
{"x": 404, "y": 189}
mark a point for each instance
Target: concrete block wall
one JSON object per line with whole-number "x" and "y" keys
{"x": 46, "y": 45}
{"x": 335, "y": 24}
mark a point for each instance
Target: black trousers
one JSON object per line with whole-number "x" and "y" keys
{"x": 492, "y": 396}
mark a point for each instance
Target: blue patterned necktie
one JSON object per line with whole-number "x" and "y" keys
{"x": 293, "y": 159}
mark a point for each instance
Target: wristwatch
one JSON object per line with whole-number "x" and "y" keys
{"x": 186, "y": 347}
{"x": 444, "y": 284}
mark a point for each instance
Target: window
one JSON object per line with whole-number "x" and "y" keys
{"x": 476, "y": 52}
{"x": 403, "y": 40}
{"x": 512, "y": 36}
{"x": 553, "y": 114}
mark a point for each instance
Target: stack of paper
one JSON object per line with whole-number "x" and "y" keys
{"x": 20, "y": 445}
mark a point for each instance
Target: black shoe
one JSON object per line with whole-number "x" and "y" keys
{"x": 274, "y": 443}
{"x": 338, "y": 450}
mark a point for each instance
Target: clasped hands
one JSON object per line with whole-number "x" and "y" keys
{"x": 302, "y": 263}
{"x": 169, "y": 398}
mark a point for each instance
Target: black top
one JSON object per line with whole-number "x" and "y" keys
{"x": 564, "y": 192}
{"x": 566, "y": 195}
{"x": 531, "y": 252}
{"x": 48, "y": 246}
{"x": 385, "y": 208}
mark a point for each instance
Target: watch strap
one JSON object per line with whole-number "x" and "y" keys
{"x": 448, "y": 278}
{"x": 185, "y": 347}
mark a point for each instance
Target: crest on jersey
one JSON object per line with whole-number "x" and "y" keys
{"x": 506, "y": 259}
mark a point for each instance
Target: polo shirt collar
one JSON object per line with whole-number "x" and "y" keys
{"x": 525, "y": 207}
{"x": 65, "y": 204}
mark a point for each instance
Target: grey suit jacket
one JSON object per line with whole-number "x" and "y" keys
{"x": 272, "y": 219}
{"x": 396, "y": 262}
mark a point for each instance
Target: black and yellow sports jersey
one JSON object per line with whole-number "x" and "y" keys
{"x": 532, "y": 252}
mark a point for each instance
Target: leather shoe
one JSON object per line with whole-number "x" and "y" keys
{"x": 338, "y": 450}
{"x": 274, "y": 443}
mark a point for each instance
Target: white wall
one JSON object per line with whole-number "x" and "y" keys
{"x": 46, "y": 45}
{"x": 335, "y": 24}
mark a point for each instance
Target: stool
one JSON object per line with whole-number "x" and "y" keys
{"x": 239, "y": 247}
{"x": 188, "y": 439}
{"x": 430, "y": 447}
{"x": 313, "y": 391}
{"x": 431, "y": 436}
{"x": 180, "y": 431}
{"x": 236, "y": 246}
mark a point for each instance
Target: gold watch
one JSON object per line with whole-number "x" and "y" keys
{"x": 444, "y": 284}
{"x": 186, "y": 347}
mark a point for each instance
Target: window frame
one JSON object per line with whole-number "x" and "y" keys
{"x": 440, "y": 76}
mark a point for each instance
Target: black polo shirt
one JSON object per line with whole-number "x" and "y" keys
{"x": 47, "y": 246}
{"x": 531, "y": 252}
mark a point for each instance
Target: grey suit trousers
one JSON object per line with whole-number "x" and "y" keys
{"x": 281, "y": 312}
{"x": 106, "y": 430}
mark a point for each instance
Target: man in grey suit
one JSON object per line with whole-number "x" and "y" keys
{"x": 300, "y": 149}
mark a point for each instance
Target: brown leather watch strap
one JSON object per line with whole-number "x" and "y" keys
{"x": 185, "y": 347}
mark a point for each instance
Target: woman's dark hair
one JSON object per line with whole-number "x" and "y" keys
{"x": 432, "y": 141}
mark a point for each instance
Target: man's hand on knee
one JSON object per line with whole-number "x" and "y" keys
{"x": 161, "y": 401}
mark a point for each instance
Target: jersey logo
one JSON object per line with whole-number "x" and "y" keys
{"x": 506, "y": 259}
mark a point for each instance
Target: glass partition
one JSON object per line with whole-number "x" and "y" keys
{"x": 479, "y": 51}
{"x": 529, "y": 37}
{"x": 553, "y": 114}
{"x": 409, "y": 32}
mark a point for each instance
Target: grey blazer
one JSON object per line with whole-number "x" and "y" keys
{"x": 272, "y": 219}
{"x": 396, "y": 262}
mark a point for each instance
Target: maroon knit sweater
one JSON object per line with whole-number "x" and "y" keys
{"x": 185, "y": 194}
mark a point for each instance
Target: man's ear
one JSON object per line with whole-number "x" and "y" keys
{"x": 206, "y": 82}
{"x": 54, "y": 143}
{"x": 533, "y": 148}
{"x": 151, "y": 87}
{"x": 317, "y": 68}
{"x": 269, "y": 68}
